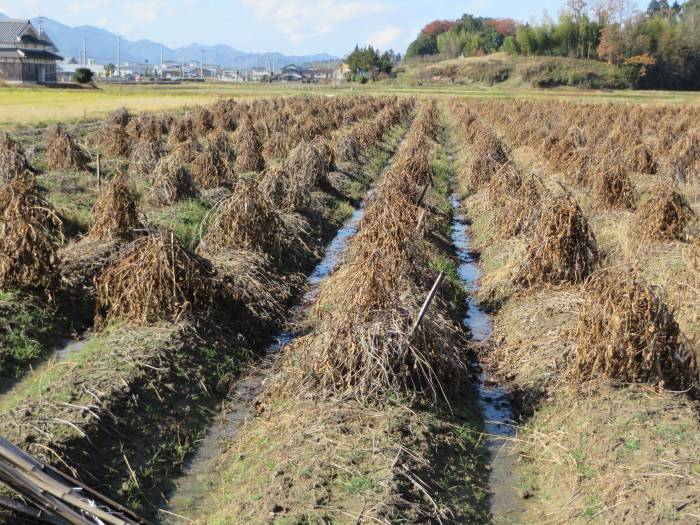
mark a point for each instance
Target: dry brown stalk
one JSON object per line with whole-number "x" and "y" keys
{"x": 625, "y": 332}
{"x": 153, "y": 279}
{"x": 115, "y": 214}
{"x": 665, "y": 214}
{"x": 63, "y": 152}
{"x": 13, "y": 161}
{"x": 563, "y": 248}
{"x": 30, "y": 232}
{"x": 171, "y": 182}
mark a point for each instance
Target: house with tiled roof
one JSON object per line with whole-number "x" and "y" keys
{"x": 27, "y": 54}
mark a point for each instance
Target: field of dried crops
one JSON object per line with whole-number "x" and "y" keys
{"x": 586, "y": 219}
{"x": 257, "y": 311}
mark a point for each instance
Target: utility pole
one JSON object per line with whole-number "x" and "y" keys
{"x": 201, "y": 66}
{"x": 84, "y": 51}
{"x": 119, "y": 56}
{"x": 161, "y": 62}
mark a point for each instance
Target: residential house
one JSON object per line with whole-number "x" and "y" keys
{"x": 27, "y": 54}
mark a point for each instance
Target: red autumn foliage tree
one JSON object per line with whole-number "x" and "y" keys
{"x": 505, "y": 26}
{"x": 437, "y": 27}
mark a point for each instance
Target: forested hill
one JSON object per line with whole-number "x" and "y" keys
{"x": 658, "y": 48}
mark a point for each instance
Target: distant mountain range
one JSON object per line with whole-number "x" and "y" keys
{"x": 102, "y": 46}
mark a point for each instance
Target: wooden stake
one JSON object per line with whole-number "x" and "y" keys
{"x": 428, "y": 301}
{"x": 99, "y": 173}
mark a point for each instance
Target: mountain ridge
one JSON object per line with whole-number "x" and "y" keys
{"x": 102, "y": 46}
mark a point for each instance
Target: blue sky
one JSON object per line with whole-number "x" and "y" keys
{"x": 289, "y": 26}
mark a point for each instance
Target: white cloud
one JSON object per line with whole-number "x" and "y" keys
{"x": 143, "y": 11}
{"x": 385, "y": 38}
{"x": 103, "y": 22}
{"x": 301, "y": 19}
{"x": 86, "y": 6}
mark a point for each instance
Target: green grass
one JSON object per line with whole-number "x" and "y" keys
{"x": 184, "y": 219}
{"x": 24, "y": 328}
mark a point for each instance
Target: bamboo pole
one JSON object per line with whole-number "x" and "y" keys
{"x": 428, "y": 301}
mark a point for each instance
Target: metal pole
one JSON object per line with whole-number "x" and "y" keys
{"x": 119, "y": 56}
{"x": 84, "y": 52}
{"x": 161, "y": 62}
{"x": 201, "y": 66}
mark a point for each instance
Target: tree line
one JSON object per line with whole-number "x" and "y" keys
{"x": 659, "y": 47}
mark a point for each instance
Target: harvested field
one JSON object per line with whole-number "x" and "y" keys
{"x": 357, "y": 309}
{"x": 601, "y": 358}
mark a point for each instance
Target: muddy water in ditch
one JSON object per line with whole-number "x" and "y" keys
{"x": 191, "y": 487}
{"x": 506, "y": 502}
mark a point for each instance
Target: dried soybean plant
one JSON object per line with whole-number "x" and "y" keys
{"x": 520, "y": 212}
{"x": 13, "y": 160}
{"x": 30, "y": 232}
{"x": 346, "y": 147}
{"x": 115, "y": 214}
{"x": 248, "y": 148}
{"x": 563, "y": 248}
{"x": 214, "y": 166}
{"x": 249, "y": 220}
{"x": 153, "y": 279}
{"x": 665, "y": 215}
{"x": 612, "y": 186}
{"x": 181, "y": 130}
{"x": 63, "y": 152}
{"x": 145, "y": 156}
{"x": 171, "y": 181}
{"x": 251, "y": 280}
{"x": 626, "y": 333}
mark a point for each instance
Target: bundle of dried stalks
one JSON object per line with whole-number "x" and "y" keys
{"x": 171, "y": 181}
{"x": 563, "y": 248}
{"x": 187, "y": 151}
{"x": 346, "y": 147}
{"x": 115, "y": 214}
{"x": 146, "y": 127}
{"x": 625, "y": 332}
{"x": 325, "y": 148}
{"x": 13, "y": 161}
{"x": 203, "y": 120}
{"x": 487, "y": 157}
{"x": 276, "y": 146}
{"x": 248, "y": 148}
{"x": 306, "y": 165}
{"x": 612, "y": 186}
{"x": 112, "y": 139}
{"x": 520, "y": 213}
{"x": 144, "y": 157}
{"x": 214, "y": 166}
{"x": 153, "y": 279}
{"x": 642, "y": 159}
{"x": 251, "y": 280}
{"x": 181, "y": 130}
{"x": 120, "y": 117}
{"x": 30, "y": 232}
{"x": 249, "y": 220}
{"x": 63, "y": 152}
{"x": 664, "y": 215}
{"x": 377, "y": 355}
{"x": 682, "y": 161}
{"x": 504, "y": 185}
